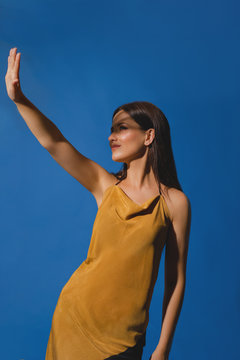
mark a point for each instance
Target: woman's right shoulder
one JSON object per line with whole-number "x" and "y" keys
{"x": 106, "y": 181}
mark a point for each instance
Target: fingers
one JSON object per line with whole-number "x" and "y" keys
{"x": 17, "y": 65}
{"x": 11, "y": 57}
{"x": 14, "y": 63}
{"x": 14, "y": 51}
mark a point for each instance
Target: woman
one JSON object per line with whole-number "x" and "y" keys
{"x": 103, "y": 310}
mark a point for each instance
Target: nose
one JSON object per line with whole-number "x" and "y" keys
{"x": 112, "y": 136}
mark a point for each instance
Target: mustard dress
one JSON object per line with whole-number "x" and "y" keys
{"x": 103, "y": 310}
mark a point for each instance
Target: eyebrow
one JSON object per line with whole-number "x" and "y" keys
{"x": 118, "y": 123}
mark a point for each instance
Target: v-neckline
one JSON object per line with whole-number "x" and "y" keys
{"x": 148, "y": 201}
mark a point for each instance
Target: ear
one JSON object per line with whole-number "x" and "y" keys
{"x": 150, "y": 135}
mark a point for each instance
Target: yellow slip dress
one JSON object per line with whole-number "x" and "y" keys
{"x": 104, "y": 307}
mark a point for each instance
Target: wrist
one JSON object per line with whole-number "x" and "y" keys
{"x": 162, "y": 352}
{"x": 20, "y": 99}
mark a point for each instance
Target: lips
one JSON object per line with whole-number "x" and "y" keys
{"x": 114, "y": 146}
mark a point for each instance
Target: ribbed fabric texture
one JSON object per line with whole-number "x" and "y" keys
{"x": 104, "y": 307}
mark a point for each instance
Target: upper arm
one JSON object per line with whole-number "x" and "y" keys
{"x": 178, "y": 240}
{"x": 89, "y": 173}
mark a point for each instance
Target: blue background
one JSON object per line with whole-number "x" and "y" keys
{"x": 80, "y": 60}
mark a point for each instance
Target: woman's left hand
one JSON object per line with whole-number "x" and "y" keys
{"x": 157, "y": 355}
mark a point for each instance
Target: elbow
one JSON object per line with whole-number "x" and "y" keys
{"x": 177, "y": 282}
{"x": 51, "y": 144}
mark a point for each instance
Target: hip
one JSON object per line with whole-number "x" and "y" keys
{"x": 132, "y": 353}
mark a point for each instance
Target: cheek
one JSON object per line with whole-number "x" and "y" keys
{"x": 131, "y": 140}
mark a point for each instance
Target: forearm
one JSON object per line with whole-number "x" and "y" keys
{"x": 42, "y": 128}
{"x": 172, "y": 304}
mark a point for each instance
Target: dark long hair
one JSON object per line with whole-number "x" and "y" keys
{"x": 160, "y": 155}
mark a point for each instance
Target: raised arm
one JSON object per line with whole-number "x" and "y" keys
{"x": 90, "y": 174}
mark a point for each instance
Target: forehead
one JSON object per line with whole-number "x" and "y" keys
{"x": 122, "y": 116}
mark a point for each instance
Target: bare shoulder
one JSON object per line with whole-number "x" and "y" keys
{"x": 178, "y": 204}
{"x": 105, "y": 181}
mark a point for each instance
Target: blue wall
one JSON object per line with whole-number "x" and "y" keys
{"x": 80, "y": 60}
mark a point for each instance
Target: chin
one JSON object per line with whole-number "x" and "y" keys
{"x": 118, "y": 158}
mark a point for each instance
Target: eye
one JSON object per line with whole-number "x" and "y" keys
{"x": 119, "y": 127}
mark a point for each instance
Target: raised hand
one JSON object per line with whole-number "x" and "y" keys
{"x": 12, "y": 76}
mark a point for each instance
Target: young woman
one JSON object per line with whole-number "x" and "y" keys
{"x": 103, "y": 310}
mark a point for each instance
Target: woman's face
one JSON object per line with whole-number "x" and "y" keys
{"x": 129, "y": 137}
